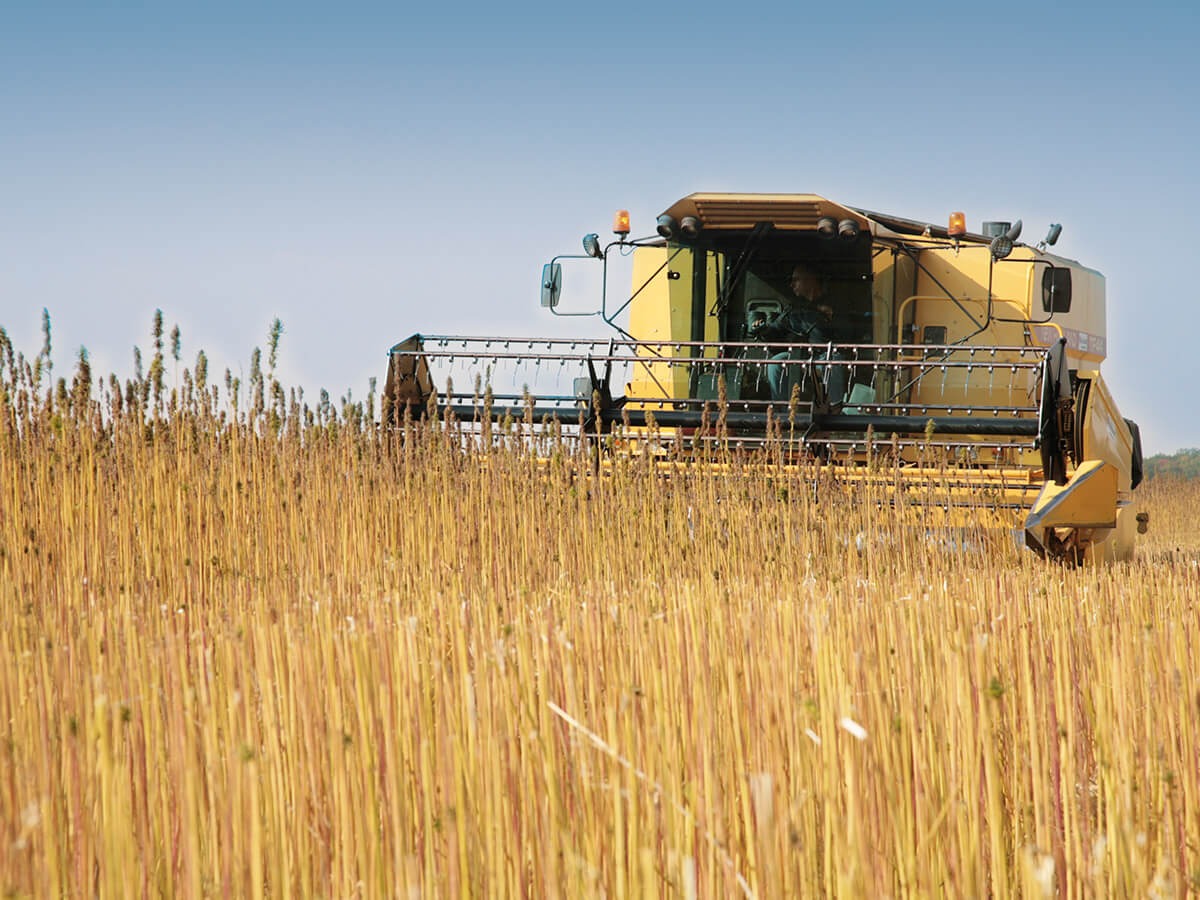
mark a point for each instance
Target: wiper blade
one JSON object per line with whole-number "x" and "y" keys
{"x": 741, "y": 264}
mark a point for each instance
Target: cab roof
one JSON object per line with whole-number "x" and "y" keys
{"x": 794, "y": 212}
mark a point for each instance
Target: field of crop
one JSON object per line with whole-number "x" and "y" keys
{"x": 259, "y": 649}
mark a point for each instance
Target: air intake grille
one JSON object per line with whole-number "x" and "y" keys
{"x": 747, "y": 213}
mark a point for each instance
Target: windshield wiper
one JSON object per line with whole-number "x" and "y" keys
{"x": 741, "y": 264}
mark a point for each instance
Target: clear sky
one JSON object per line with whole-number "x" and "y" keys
{"x": 363, "y": 172}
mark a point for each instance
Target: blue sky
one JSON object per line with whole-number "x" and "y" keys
{"x": 363, "y": 172}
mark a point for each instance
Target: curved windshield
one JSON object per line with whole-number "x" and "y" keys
{"x": 833, "y": 298}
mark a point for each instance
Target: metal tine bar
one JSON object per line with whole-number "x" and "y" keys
{"x": 1023, "y": 350}
{"x": 969, "y": 410}
{"x": 881, "y": 442}
{"x": 569, "y": 427}
{"x": 899, "y": 364}
{"x": 752, "y": 402}
{"x": 457, "y": 399}
{"x": 552, "y": 419}
{"x": 782, "y": 409}
{"x": 1024, "y": 354}
{"x": 977, "y": 430}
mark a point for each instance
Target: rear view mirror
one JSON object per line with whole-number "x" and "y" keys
{"x": 1056, "y": 290}
{"x": 551, "y": 284}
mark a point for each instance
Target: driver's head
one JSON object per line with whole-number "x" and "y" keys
{"x": 805, "y": 282}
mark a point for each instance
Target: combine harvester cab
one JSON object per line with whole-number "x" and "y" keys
{"x": 961, "y": 368}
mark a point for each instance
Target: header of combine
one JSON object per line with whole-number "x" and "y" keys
{"x": 752, "y": 315}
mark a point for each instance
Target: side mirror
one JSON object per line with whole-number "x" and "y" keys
{"x": 551, "y": 284}
{"x": 1056, "y": 290}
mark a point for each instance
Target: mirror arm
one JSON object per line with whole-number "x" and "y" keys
{"x": 568, "y": 315}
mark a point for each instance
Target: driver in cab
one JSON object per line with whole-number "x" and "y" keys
{"x": 807, "y": 321}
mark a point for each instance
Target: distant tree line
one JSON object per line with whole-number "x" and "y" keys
{"x": 1182, "y": 464}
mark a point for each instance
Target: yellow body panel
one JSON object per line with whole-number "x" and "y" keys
{"x": 662, "y": 311}
{"x": 1088, "y": 500}
{"x": 1105, "y": 435}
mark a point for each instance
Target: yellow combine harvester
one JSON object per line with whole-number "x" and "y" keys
{"x": 958, "y": 367}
